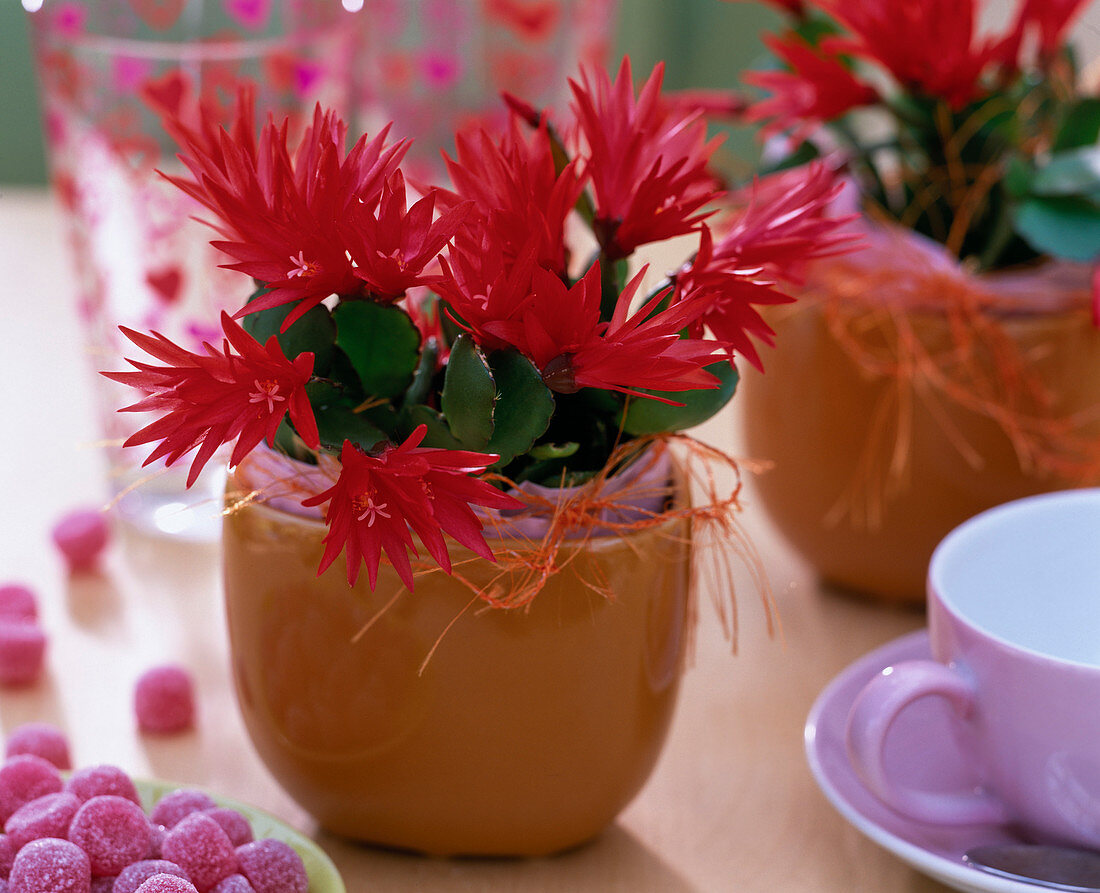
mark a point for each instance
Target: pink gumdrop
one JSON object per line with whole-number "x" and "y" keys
{"x": 235, "y": 883}
{"x": 50, "y": 865}
{"x": 179, "y": 804}
{"x": 24, "y": 778}
{"x": 102, "y": 885}
{"x": 164, "y": 700}
{"x": 22, "y": 652}
{"x": 272, "y": 866}
{"x": 18, "y": 602}
{"x": 80, "y": 536}
{"x": 133, "y": 876}
{"x": 46, "y": 816}
{"x": 201, "y": 848}
{"x": 113, "y": 831}
{"x": 234, "y": 824}
{"x": 157, "y": 833}
{"x": 95, "y": 781}
{"x": 42, "y": 740}
{"x": 166, "y": 883}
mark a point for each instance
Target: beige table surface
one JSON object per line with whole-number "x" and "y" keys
{"x": 731, "y": 805}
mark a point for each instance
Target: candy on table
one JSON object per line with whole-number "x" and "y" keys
{"x": 93, "y": 781}
{"x": 7, "y": 855}
{"x": 42, "y": 740}
{"x": 121, "y": 849}
{"x": 272, "y": 866}
{"x": 179, "y": 804}
{"x": 157, "y": 833}
{"x": 235, "y": 825}
{"x": 164, "y": 700}
{"x": 46, "y": 816}
{"x": 199, "y": 845}
{"x": 133, "y": 876}
{"x": 113, "y": 831}
{"x": 50, "y": 865}
{"x": 166, "y": 883}
{"x": 24, "y": 778}
{"x": 235, "y": 883}
{"x": 22, "y": 651}
{"x": 81, "y": 536}
{"x": 18, "y": 602}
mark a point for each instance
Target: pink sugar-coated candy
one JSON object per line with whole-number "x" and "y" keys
{"x": 46, "y": 816}
{"x": 95, "y": 781}
{"x": 164, "y": 700}
{"x": 272, "y": 866}
{"x": 113, "y": 831}
{"x": 179, "y": 804}
{"x": 18, "y": 602}
{"x": 235, "y": 825}
{"x": 42, "y": 740}
{"x": 7, "y": 855}
{"x": 133, "y": 876}
{"x": 200, "y": 846}
{"x": 103, "y": 885}
{"x": 157, "y": 833}
{"x": 166, "y": 883}
{"x": 81, "y": 536}
{"x": 22, "y": 652}
{"x": 50, "y": 865}
{"x": 24, "y": 778}
{"x": 235, "y": 883}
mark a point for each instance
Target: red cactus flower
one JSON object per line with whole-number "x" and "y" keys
{"x": 206, "y": 400}
{"x": 515, "y": 183}
{"x": 278, "y": 212}
{"x": 393, "y": 245}
{"x": 783, "y": 225}
{"x": 929, "y": 47}
{"x": 818, "y": 88}
{"x": 647, "y": 162}
{"x": 1051, "y": 18}
{"x": 379, "y": 497}
{"x": 558, "y": 328}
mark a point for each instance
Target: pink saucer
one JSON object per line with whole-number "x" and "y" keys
{"x": 919, "y": 756}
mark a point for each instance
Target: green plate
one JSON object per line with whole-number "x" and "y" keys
{"x": 323, "y": 876}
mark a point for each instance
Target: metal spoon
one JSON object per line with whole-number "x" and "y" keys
{"x": 1057, "y": 868}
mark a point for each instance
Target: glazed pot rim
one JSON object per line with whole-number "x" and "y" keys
{"x": 679, "y": 497}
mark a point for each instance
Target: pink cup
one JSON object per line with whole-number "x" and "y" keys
{"x": 1014, "y": 625}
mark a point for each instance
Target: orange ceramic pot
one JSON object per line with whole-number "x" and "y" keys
{"x": 871, "y": 470}
{"x": 526, "y": 732}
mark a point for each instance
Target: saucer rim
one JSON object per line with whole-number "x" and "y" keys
{"x": 955, "y": 874}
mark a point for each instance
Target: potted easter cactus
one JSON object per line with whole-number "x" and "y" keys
{"x": 476, "y": 393}
{"x": 952, "y": 364}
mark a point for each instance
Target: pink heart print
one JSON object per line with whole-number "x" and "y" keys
{"x": 533, "y": 22}
{"x": 166, "y": 284}
{"x": 253, "y": 14}
{"x": 160, "y": 15}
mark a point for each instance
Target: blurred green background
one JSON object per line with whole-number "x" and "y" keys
{"x": 705, "y": 43}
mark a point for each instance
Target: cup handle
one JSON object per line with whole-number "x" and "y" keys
{"x": 873, "y": 713}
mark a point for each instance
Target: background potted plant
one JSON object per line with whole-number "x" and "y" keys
{"x": 484, "y": 364}
{"x": 953, "y": 363}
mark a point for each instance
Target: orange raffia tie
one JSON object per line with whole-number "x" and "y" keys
{"x": 524, "y": 564}
{"x": 872, "y": 310}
